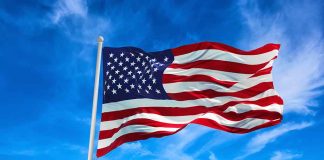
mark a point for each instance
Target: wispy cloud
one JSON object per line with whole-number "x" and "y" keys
{"x": 74, "y": 147}
{"x": 180, "y": 142}
{"x": 280, "y": 155}
{"x": 217, "y": 139}
{"x": 212, "y": 156}
{"x": 137, "y": 148}
{"x": 260, "y": 141}
{"x": 73, "y": 17}
{"x": 66, "y": 8}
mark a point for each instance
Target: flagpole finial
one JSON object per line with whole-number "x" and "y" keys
{"x": 100, "y": 39}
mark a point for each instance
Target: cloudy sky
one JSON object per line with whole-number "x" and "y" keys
{"x": 47, "y": 65}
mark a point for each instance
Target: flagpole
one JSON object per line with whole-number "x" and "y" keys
{"x": 95, "y": 99}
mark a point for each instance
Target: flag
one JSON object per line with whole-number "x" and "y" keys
{"x": 155, "y": 94}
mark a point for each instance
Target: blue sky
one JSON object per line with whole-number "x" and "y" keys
{"x": 47, "y": 64}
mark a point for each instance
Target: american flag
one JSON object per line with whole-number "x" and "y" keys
{"x": 154, "y": 94}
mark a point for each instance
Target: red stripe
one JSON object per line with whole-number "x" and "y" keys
{"x": 246, "y": 93}
{"x": 221, "y": 66}
{"x": 262, "y": 72}
{"x": 213, "y": 45}
{"x": 178, "y": 111}
{"x": 206, "y": 122}
{"x": 170, "y": 78}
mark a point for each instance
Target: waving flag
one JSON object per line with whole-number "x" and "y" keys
{"x": 154, "y": 94}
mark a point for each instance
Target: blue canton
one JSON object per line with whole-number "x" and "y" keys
{"x": 131, "y": 73}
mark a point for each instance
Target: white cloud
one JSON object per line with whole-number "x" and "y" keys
{"x": 74, "y": 147}
{"x": 279, "y": 155}
{"x": 297, "y": 72}
{"x": 217, "y": 139}
{"x": 212, "y": 156}
{"x": 260, "y": 141}
{"x": 24, "y": 152}
{"x": 65, "y": 8}
{"x": 175, "y": 147}
{"x": 135, "y": 147}
{"x": 77, "y": 23}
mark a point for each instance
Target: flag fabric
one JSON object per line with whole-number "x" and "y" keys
{"x": 155, "y": 94}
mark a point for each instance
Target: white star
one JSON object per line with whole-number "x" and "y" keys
{"x": 138, "y": 59}
{"x": 146, "y": 57}
{"x": 119, "y": 86}
{"x": 154, "y": 80}
{"x": 153, "y": 59}
{"x": 147, "y": 91}
{"x": 125, "y": 68}
{"x": 126, "y": 90}
{"x": 113, "y": 67}
{"x": 139, "y": 72}
{"x": 136, "y": 68}
{"x": 143, "y": 81}
{"x": 141, "y": 54}
{"x": 121, "y": 76}
{"x": 110, "y": 77}
{"x": 130, "y": 72}
{"x": 143, "y": 63}
{"x": 104, "y": 92}
{"x": 133, "y": 76}
{"x": 116, "y": 59}
{"x": 139, "y": 86}
{"x": 155, "y": 69}
{"x": 150, "y": 76}
{"x": 117, "y": 71}
{"x": 166, "y": 59}
{"x": 127, "y": 59}
{"x": 148, "y": 71}
{"x": 108, "y": 87}
{"x": 108, "y": 64}
{"x": 157, "y": 91}
{"x": 122, "y": 55}
{"x": 111, "y": 55}
{"x": 107, "y": 73}
{"x": 126, "y": 80}
{"x": 120, "y": 63}
{"x": 132, "y": 54}
{"x": 105, "y": 82}
{"x": 114, "y": 91}
{"x": 114, "y": 80}
{"x": 138, "y": 91}
{"x": 149, "y": 87}
{"x": 132, "y": 64}
{"x": 132, "y": 86}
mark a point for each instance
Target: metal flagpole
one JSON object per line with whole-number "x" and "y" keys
{"x": 95, "y": 99}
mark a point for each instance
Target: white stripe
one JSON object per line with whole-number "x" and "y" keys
{"x": 212, "y": 54}
{"x": 178, "y": 87}
{"x": 220, "y": 75}
{"x": 207, "y": 102}
{"x": 247, "y": 123}
{"x": 108, "y": 125}
{"x": 242, "y": 108}
{"x": 132, "y": 129}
